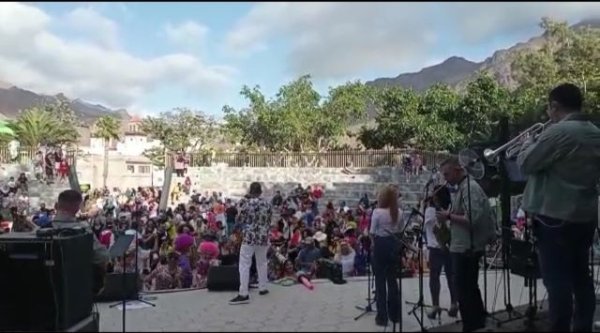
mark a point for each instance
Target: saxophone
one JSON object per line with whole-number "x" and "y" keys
{"x": 441, "y": 231}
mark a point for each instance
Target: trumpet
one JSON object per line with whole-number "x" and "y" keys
{"x": 513, "y": 147}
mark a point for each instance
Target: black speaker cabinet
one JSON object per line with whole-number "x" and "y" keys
{"x": 523, "y": 260}
{"x": 46, "y": 283}
{"x": 223, "y": 278}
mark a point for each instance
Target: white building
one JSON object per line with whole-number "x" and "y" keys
{"x": 133, "y": 141}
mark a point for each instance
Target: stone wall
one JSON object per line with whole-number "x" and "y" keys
{"x": 338, "y": 186}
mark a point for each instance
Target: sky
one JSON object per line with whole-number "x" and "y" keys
{"x": 153, "y": 57}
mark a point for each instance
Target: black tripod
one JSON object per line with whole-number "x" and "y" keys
{"x": 370, "y": 280}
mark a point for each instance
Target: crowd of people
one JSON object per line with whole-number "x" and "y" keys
{"x": 177, "y": 246}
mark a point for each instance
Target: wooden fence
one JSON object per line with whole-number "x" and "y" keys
{"x": 330, "y": 159}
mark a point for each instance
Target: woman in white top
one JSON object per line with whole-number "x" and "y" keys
{"x": 439, "y": 255}
{"x": 385, "y": 222}
{"x": 345, "y": 257}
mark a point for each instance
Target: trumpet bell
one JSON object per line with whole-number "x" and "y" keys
{"x": 490, "y": 155}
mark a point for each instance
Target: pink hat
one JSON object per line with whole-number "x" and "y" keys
{"x": 210, "y": 248}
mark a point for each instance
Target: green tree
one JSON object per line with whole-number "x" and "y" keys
{"x": 567, "y": 55}
{"x": 178, "y": 130}
{"x": 481, "y": 107}
{"x": 35, "y": 126}
{"x": 297, "y": 118}
{"x": 62, "y": 112}
{"x": 107, "y": 128}
{"x": 371, "y": 138}
{"x": 405, "y": 118}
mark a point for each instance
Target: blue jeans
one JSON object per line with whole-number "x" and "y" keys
{"x": 386, "y": 260}
{"x": 563, "y": 252}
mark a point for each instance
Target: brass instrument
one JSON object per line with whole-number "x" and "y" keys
{"x": 513, "y": 147}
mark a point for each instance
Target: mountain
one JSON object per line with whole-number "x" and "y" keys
{"x": 458, "y": 72}
{"x": 452, "y": 71}
{"x": 13, "y": 99}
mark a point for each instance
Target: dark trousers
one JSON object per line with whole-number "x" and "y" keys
{"x": 563, "y": 252}
{"x": 386, "y": 259}
{"x": 470, "y": 304}
{"x": 179, "y": 172}
{"x": 439, "y": 259}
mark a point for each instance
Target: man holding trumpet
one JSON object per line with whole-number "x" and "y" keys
{"x": 563, "y": 168}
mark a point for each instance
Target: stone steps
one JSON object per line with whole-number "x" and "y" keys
{"x": 38, "y": 191}
{"x": 338, "y": 186}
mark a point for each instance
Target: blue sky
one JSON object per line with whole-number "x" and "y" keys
{"x": 151, "y": 57}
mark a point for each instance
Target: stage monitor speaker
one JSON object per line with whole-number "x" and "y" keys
{"x": 223, "y": 278}
{"x": 113, "y": 287}
{"x": 46, "y": 282}
{"x": 523, "y": 259}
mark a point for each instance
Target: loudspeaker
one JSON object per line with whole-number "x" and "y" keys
{"x": 113, "y": 287}
{"x": 223, "y": 278}
{"x": 46, "y": 282}
{"x": 523, "y": 259}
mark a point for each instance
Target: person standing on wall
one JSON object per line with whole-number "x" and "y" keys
{"x": 255, "y": 218}
{"x": 561, "y": 196}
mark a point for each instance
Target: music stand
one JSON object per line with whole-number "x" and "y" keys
{"x": 119, "y": 249}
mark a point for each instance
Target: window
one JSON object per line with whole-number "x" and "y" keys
{"x": 131, "y": 168}
{"x": 144, "y": 169}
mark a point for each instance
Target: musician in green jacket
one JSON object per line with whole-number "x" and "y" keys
{"x": 561, "y": 197}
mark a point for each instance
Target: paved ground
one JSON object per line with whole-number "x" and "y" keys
{"x": 328, "y": 308}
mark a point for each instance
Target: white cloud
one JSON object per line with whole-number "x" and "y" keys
{"x": 477, "y": 22}
{"x": 341, "y": 39}
{"x": 34, "y": 58}
{"x": 187, "y": 34}
{"x": 92, "y": 24}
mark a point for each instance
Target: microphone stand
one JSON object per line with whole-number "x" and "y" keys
{"x": 369, "y": 308}
{"x": 420, "y": 304}
{"x": 402, "y": 245}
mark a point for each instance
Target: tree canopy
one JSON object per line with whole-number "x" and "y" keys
{"x": 297, "y": 118}
{"x": 181, "y": 129}
{"x": 46, "y": 125}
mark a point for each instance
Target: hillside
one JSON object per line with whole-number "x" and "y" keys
{"x": 13, "y": 99}
{"x": 452, "y": 71}
{"x": 457, "y": 71}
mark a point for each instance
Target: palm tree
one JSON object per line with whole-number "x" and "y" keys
{"x": 107, "y": 128}
{"x": 35, "y": 127}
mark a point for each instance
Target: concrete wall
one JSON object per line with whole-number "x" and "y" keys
{"x": 123, "y": 171}
{"x": 338, "y": 186}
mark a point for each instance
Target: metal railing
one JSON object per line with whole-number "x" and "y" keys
{"x": 26, "y": 155}
{"x": 330, "y": 159}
